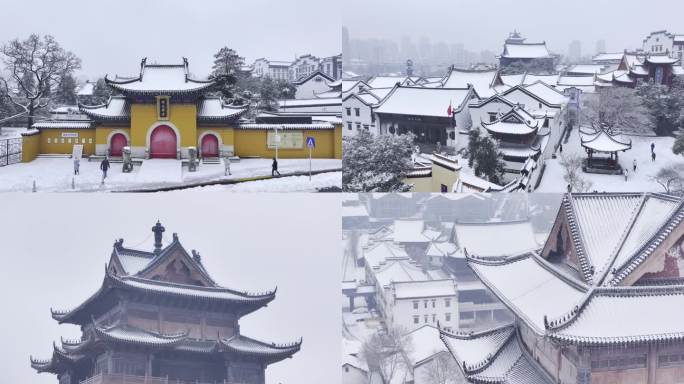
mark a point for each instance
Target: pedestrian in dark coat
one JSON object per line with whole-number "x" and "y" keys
{"x": 104, "y": 166}
{"x": 653, "y": 156}
{"x": 634, "y": 165}
{"x": 652, "y": 147}
{"x": 274, "y": 168}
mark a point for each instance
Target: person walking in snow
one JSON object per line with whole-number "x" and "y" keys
{"x": 626, "y": 173}
{"x": 274, "y": 168}
{"x": 560, "y": 147}
{"x": 226, "y": 164}
{"x": 77, "y": 165}
{"x": 653, "y": 156}
{"x": 104, "y": 166}
{"x": 634, "y": 165}
{"x": 652, "y": 147}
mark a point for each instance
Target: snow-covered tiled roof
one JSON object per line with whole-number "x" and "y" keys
{"x": 615, "y": 57}
{"x": 379, "y": 253}
{"x": 117, "y": 108}
{"x": 424, "y": 288}
{"x": 129, "y": 334}
{"x": 424, "y": 101}
{"x": 545, "y": 92}
{"x": 483, "y": 81}
{"x": 243, "y": 344}
{"x": 425, "y": 342}
{"x": 476, "y": 238}
{"x": 157, "y": 79}
{"x": 526, "y": 51}
{"x": 601, "y": 141}
{"x": 388, "y": 81}
{"x": 409, "y": 231}
{"x": 303, "y": 126}
{"x": 661, "y": 59}
{"x": 625, "y": 315}
{"x": 214, "y": 108}
{"x": 62, "y": 124}
{"x": 476, "y": 349}
{"x": 315, "y": 102}
{"x": 530, "y": 287}
{"x": 399, "y": 271}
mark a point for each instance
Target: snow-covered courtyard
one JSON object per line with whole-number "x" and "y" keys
{"x": 641, "y": 180}
{"x": 283, "y": 184}
{"x": 56, "y": 175}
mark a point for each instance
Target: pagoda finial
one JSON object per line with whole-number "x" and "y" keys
{"x": 158, "y": 230}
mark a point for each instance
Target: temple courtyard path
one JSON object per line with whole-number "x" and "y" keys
{"x": 552, "y": 180}
{"x": 56, "y": 174}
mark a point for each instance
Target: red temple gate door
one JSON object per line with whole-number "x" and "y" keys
{"x": 210, "y": 147}
{"x": 117, "y": 143}
{"x": 163, "y": 143}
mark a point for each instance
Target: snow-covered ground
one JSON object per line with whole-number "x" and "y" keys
{"x": 56, "y": 174}
{"x": 552, "y": 181}
{"x": 283, "y": 184}
{"x": 11, "y": 132}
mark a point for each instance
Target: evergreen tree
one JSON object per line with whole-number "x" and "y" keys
{"x": 488, "y": 160}
{"x": 376, "y": 163}
{"x": 664, "y": 105}
{"x": 66, "y": 91}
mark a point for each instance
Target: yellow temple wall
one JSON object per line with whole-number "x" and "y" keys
{"x": 52, "y": 142}
{"x": 252, "y": 142}
{"x": 338, "y": 141}
{"x": 226, "y": 133}
{"x": 30, "y": 147}
{"x": 181, "y": 116}
{"x": 102, "y": 133}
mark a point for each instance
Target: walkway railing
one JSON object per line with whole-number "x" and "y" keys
{"x": 106, "y": 378}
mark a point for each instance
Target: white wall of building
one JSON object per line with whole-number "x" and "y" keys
{"x": 357, "y": 116}
{"x": 353, "y": 375}
{"x": 315, "y": 85}
{"x": 416, "y": 312}
{"x": 659, "y": 42}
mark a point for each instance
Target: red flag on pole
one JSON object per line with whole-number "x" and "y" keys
{"x": 450, "y": 111}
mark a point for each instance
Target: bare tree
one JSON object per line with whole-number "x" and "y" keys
{"x": 385, "y": 352}
{"x": 35, "y": 67}
{"x": 443, "y": 370}
{"x": 671, "y": 178}
{"x": 572, "y": 164}
{"x": 617, "y": 109}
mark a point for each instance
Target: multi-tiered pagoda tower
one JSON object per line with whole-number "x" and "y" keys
{"x": 160, "y": 318}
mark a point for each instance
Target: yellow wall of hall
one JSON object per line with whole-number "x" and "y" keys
{"x": 102, "y": 133}
{"x": 252, "y": 142}
{"x": 30, "y": 147}
{"x": 420, "y": 184}
{"x": 181, "y": 116}
{"x": 338, "y": 141}
{"x": 227, "y": 134}
{"x": 52, "y": 142}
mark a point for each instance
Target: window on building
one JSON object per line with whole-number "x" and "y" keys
{"x": 90, "y": 141}
{"x": 48, "y": 140}
{"x": 61, "y": 140}
{"x": 349, "y": 126}
{"x": 434, "y": 318}
{"x": 416, "y": 319}
{"x": 69, "y": 141}
{"x": 83, "y": 141}
{"x": 365, "y": 126}
{"x": 433, "y": 300}
{"x": 357, "y": 111}
{"x": 546, "y": 123}
{"x": 348, "y": 111}
{"x": 425, "y": 303}
{"x": 426, "y": 318}
{"x": 415, "y": 304}
{"x": 447, "y": 316}
{"x": 447, "y": 303}
{"x": 346, "y": 368}
{"x": 492, "y": 117}
{"x": 358, "y": 126}
{"x": 443, "y": 188}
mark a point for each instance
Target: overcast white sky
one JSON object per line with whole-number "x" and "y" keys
{"x": 111, "y": 36}
{"x": 485, "y": 24}
{"x": 55, "y": 246}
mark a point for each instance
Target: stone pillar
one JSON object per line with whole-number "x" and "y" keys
{"x": 652, "y": 363}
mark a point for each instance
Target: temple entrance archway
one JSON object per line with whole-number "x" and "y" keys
{"x": 117, "y": 143}
{"x": 210, "y": 146}
{"x": 163, "y": 143}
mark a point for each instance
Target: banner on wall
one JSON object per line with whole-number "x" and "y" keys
{"x": 288, "y": 140}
